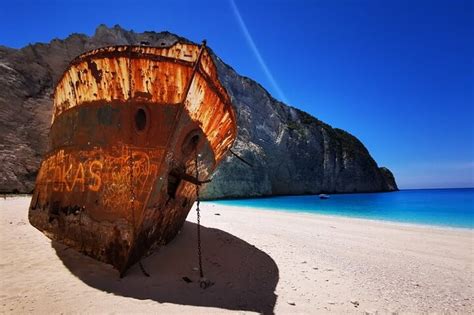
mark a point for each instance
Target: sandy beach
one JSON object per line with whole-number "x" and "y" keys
{"x": 259, "y": 261}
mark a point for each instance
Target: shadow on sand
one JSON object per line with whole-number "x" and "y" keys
{"x": 245, "y": 277}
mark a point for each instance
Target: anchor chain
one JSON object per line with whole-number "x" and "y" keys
{"x": 203, "y": 282}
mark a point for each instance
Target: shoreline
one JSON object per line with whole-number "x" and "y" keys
{"x": 334, "y": 216}
{"x": 260, "y": 261}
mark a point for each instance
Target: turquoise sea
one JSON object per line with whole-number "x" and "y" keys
{"x": 442, "y": 207}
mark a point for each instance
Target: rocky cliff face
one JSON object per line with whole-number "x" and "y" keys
{"x": 290, "y": 151}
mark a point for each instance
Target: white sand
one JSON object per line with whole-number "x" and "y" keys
{"x": 259, "y": 260}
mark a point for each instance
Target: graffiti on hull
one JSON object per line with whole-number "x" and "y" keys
{"x": 116, "y": 174}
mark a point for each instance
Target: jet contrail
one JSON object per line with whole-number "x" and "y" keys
{"x": 254, "y": 48}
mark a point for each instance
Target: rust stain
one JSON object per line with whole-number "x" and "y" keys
{"x": 127, "y": 121}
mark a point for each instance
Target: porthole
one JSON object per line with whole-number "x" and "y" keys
{"x": 140, "y": 119}
{"x": 194, "y": 140}
{"x": 191, "y": 142}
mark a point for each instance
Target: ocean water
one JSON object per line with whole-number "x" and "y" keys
{"x": 441, "y": 207}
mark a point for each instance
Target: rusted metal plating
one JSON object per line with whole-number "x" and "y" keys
{"x": 127, "y": 124}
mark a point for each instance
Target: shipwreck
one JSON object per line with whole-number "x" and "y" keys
{"x": 135, "y": 130}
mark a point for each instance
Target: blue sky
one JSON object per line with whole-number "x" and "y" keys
{"x": 399, "y": 75}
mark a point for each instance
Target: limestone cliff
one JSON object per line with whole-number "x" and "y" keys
{"x": 291, "y": 151}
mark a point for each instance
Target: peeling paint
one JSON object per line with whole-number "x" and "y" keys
{"x": 123, "y": 121}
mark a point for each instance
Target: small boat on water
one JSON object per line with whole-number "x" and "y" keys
{"x": 323, "y": 196}
{"x": 134, "y": 131}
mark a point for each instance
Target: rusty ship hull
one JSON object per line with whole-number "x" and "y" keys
{"x": 134, "y": 130}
